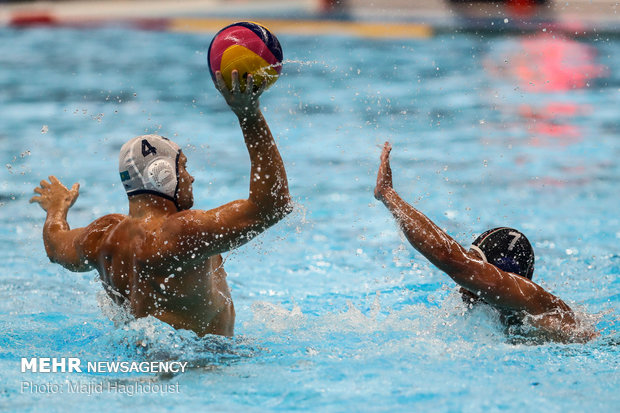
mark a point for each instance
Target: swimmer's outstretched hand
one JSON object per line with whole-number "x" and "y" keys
{"x": 243, "y": 103}
{"x": 54, "y": 196}
{"x": 384, "y": 176}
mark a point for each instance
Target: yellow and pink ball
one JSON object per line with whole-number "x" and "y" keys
{"x": 249, "y": 48}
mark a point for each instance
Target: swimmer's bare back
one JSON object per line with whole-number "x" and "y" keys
{"x": 163, "y": 258}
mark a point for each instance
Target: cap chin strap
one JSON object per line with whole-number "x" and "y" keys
{"x": 479, "y": 251}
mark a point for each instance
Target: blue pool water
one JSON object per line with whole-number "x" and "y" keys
{"x": 335, "y": 311}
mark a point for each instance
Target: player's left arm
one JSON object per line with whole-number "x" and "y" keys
{"x": 74, "y": 249}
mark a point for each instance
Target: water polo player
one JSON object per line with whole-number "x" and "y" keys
{"x": 163, "y": 259}
{"x": 497, "y": 270}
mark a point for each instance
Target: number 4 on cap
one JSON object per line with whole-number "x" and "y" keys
{"x": 147, "y": 148}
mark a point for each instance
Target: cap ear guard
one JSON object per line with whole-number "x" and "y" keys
{"x": 480, "y": 252}
{"x": 162, "y": 174}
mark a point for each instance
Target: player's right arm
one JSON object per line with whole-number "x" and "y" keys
{"x": 494, "y": 286}
{"x": 75, "y": 249}
{"x": 269, "y": 194}
{"x": 206, "y": 233}
{"x": 545, "y": 311}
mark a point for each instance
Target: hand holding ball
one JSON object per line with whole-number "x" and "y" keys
{"x": 248, "y": 48}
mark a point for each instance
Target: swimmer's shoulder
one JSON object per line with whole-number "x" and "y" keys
{"x": 106, "y": 223}
{"x": 94, "y": 235}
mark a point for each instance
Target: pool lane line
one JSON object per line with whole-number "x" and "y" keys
{"x": 377, "y": 30}
{"x": 311, "y": 27}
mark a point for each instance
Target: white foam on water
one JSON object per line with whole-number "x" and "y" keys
{"x": 453, "y": 328}
{"x": 118, "y": 314}
{"x": 448, "y": 331}
{"x": 153, "y": 339}
{"x": 436, "y": 332}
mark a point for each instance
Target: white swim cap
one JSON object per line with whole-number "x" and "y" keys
{"x": 149, "y": 164}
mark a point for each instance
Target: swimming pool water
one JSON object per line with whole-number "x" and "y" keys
{"x": 335, "y": 311}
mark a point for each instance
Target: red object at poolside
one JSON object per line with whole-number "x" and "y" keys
{"x": 32, "y": 19}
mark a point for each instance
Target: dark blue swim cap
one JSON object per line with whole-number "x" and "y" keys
{"x": 507, "y": 249}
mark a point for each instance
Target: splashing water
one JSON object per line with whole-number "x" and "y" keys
{"x": 335, "y": 311}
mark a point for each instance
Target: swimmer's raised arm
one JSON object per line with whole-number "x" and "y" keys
{"x": 426, "y": 237}
{"x": 466, "y": 269}
{"x": 233, "y": 224}
{"x": 268, "y": 182}
{"x": 74, "y": 249}
{"x": 493, "y": 285}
